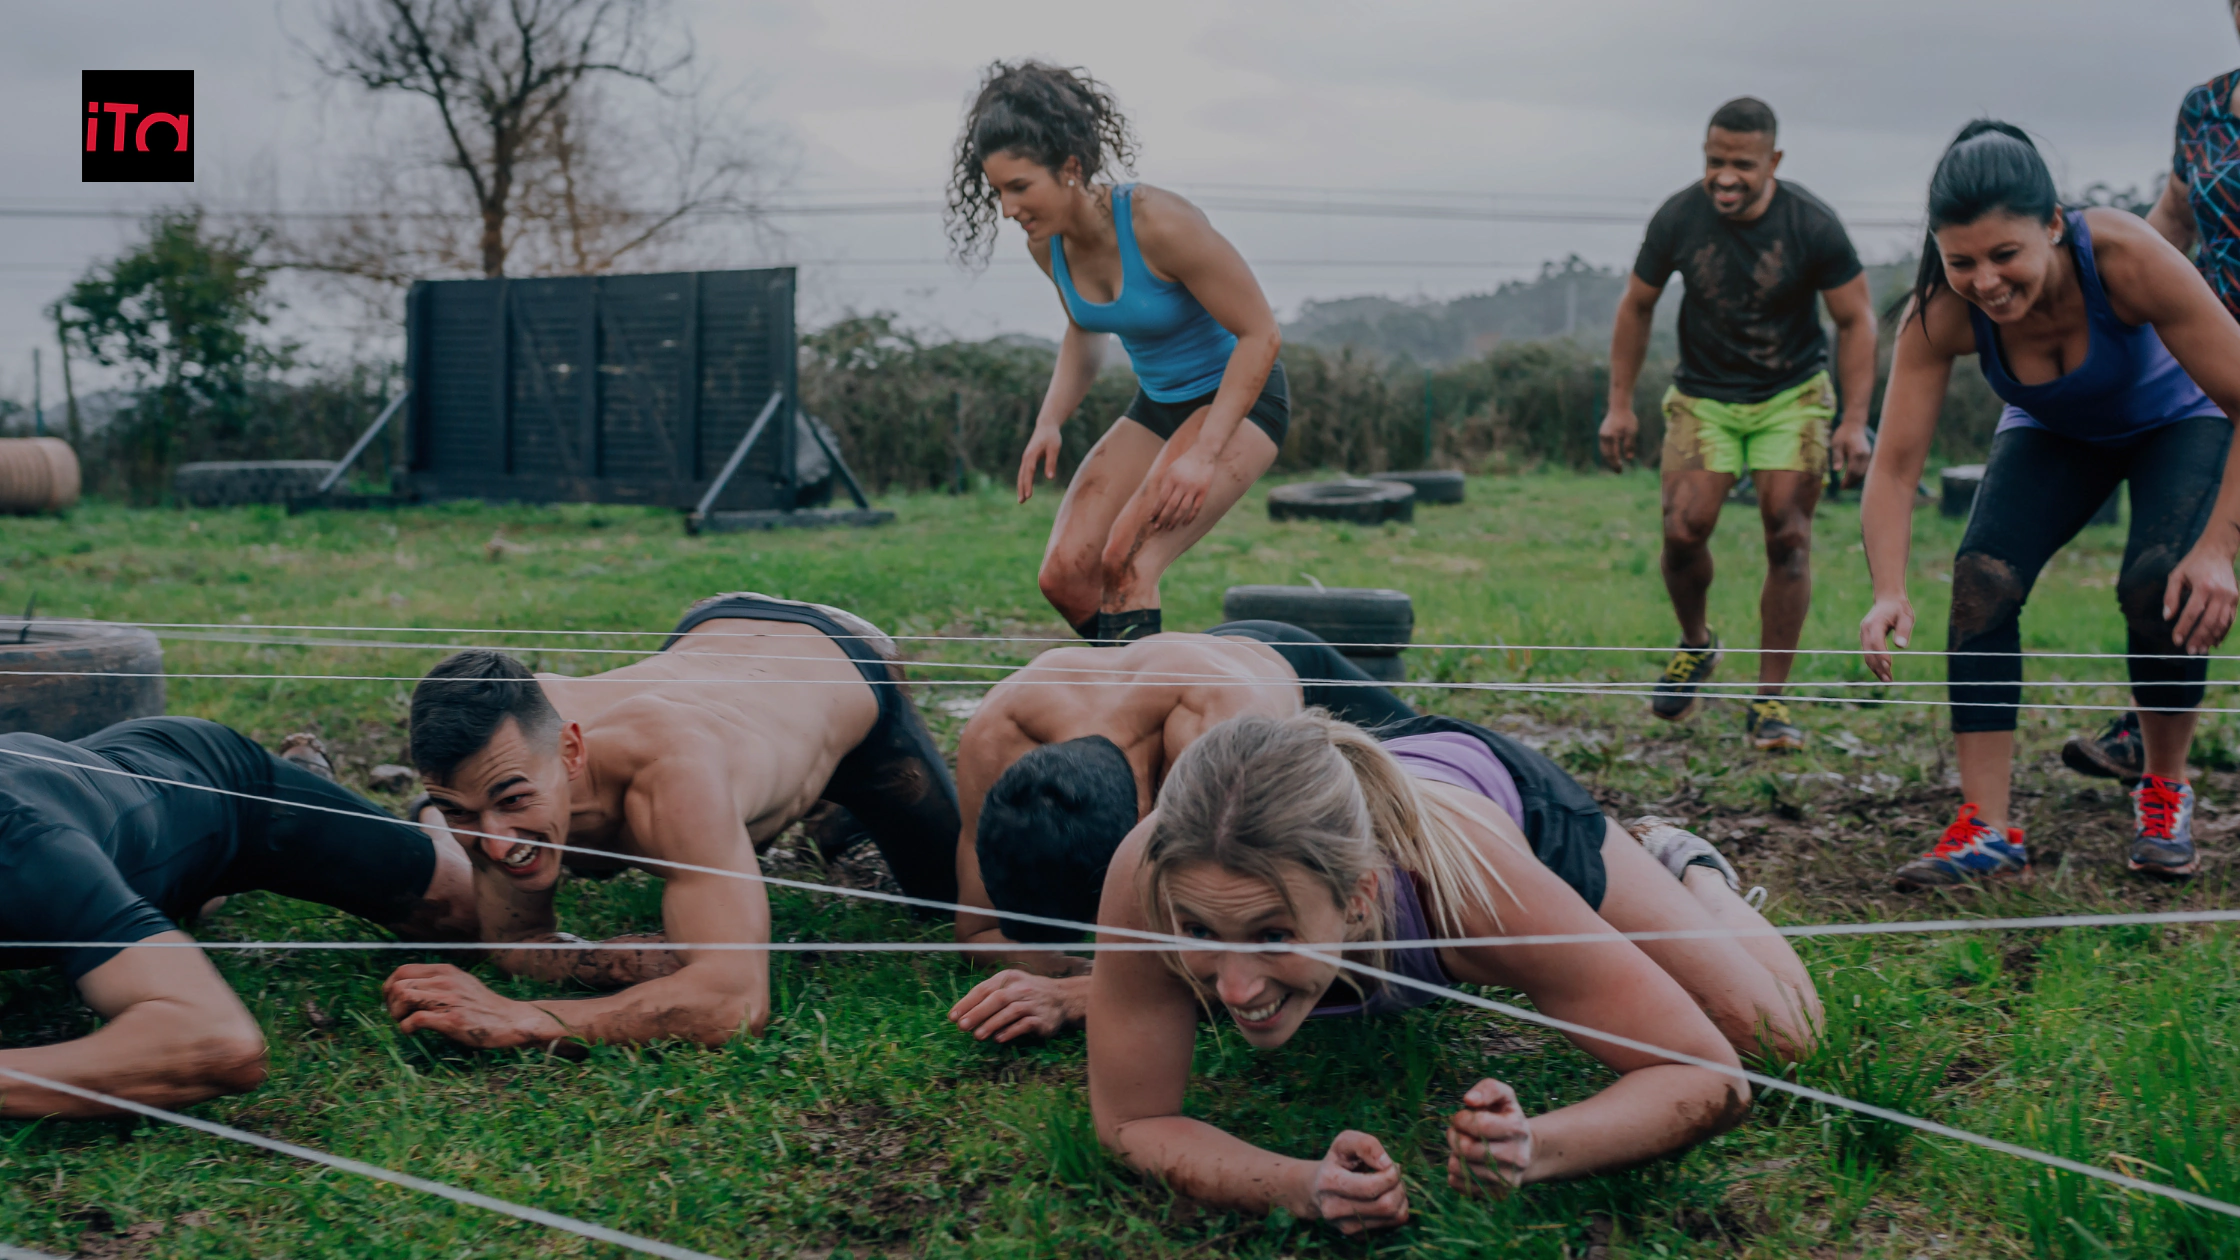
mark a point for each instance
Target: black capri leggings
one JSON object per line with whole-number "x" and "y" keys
{"x": 2038, "y": 490}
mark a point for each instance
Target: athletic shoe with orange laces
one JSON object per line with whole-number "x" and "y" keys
{"x": 2163, "y": 847}
{"x": 1968, "y": 850}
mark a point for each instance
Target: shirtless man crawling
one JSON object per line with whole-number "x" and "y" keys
{"x": 754, "y": 710}
{"x": 1058, "y": 765}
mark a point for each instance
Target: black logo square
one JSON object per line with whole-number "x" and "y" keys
{"x": 137, "y": 127}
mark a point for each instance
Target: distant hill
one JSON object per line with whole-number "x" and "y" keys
{"x": 1569, "y": 299}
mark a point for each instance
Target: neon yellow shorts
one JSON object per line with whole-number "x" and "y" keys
{"x": 1786, "y": 433}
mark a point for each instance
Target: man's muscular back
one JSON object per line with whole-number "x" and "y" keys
{"x": 771, "y": 707}
{"x": 1153, "y": 698}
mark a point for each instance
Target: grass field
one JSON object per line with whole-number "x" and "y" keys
{"x": 864, "y": 1124}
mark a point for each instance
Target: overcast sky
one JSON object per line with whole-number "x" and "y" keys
{"x": 1590, "y": 108}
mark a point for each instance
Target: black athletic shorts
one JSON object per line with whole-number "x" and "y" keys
{"x": 1564, "y": 825}
{"x": 1271, "y": 410}
{"x": 896, "y": 782}
{"x": 88, "y": 854}
{"x": 1361, "y": 701}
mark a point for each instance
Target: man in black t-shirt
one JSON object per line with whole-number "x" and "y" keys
{"x": 119, "y": 839}
{"x": 1752, "y": 392}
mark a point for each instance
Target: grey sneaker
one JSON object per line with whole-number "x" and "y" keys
{"x": 1678, "y": 848}
{"x": 2117, "y": 752}
{"x": 2163, "y": 845}
{"x": 1689, "y": 668}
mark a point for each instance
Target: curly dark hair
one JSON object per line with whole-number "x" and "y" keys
{"x": 1040, "y": 111}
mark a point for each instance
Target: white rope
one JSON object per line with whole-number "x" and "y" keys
{"x": 1180, "y": 943}
{"x": 1145, "y": 676}
{"x": 598, "y": 1233}
{"x": 24, "y": 1253}
{"x": 1803, "y": 1091}
{"x": 1075, "y": 642}
{"x": 1553, "y": 688}
{"x": 1894, "y": 927}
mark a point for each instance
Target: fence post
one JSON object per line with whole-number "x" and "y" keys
{"x": 957, "y": 476}
{"x": 1426, "y": 461}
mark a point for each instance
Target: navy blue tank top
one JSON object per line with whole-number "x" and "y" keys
{"x": 2127, "y": 385}
{"x": 1179, "y": 351}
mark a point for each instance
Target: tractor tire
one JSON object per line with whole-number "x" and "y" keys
{"x": 1355, "y": 500}
{"x": 1360, "y": 621}
{"x": 1432, "y": 485}
{"x": 62, "y": 679}
{"x": 227, "y": 483}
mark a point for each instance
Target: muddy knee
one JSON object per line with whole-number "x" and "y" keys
{"x": 1987, "y": 594}
{"x": 1789, "y": 547}
{"x": 1074, "y": 591}
{"x": 1683, "y": 532}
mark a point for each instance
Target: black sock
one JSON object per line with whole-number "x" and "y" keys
{"x": 1090, "y": 627}
{"x": 1127, "y": 627}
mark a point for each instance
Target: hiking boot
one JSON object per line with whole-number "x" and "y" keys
{"x": 1689, "y": 668}
{"x": 1968, "y": 850}
{"x": 1769, "y": 727}
{"x": 2163, "y": 846}
{"x": 1676, "y": 848}
{"x": 305, "y": 749}
{"x": 2115, "y": 753}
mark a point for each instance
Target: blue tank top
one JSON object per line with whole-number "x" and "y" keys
{"x": 2127, "y": 385}
{"x": 1178, "y": 350}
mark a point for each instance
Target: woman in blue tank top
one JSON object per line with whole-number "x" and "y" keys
{"x": 2117, "y": 364}
{"x": 1144, "y": 264}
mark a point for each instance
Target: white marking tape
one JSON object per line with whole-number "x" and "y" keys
{"x": 539, "y": 1216}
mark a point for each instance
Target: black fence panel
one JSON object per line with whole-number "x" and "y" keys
{"x": 602, "y": 389}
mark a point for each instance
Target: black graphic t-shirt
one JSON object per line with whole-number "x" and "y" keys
{"x": 1749, "y": 325}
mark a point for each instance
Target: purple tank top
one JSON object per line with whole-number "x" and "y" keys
{"x": 2127, "y": 385}
{"x": 1465, "y": 762}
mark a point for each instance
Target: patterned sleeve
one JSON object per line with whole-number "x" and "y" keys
{"x": 2188, "y": 138}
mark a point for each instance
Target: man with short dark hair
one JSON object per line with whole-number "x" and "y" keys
{"x": 122, "y": 838}
{"x": 1064, "y": 757}
{"x": 1751, "y": 394}
{"x": 754, "y": 710}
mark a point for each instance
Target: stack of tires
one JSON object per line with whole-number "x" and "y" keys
{"x": 227, "y": 483}
{"x": 1370, "y": 626}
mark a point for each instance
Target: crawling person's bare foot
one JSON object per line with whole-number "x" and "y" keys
{"x": 304, "y": 749}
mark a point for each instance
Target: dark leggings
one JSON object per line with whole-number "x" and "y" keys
{"x": 1355, "y": 698}
{"x": 2039, "y": 489}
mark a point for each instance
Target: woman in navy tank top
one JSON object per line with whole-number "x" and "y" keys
{"x": 2117, "y": 363}
{"x": 1211, "y": 407}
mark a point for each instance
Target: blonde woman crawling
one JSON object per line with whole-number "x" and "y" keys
{"x": 1307, "y": 830}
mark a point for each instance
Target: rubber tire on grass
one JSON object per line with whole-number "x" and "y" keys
{"x": 226, "y": 483}
{"x": 1355, "y": 500}
{"x": 49, "y": 685}
{"x": 1432, "y": 485}
{"x": 1365, "y": 621}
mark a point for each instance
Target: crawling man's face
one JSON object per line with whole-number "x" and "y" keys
{"x": 514, "y": 790}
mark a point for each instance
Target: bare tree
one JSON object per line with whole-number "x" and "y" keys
{"x": 528, "y": 159}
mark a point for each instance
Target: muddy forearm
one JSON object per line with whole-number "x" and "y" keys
{"x": 1648, "y": 1113}
{"x": 616, "y": 963}
{"x": 677, "y": 1007}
